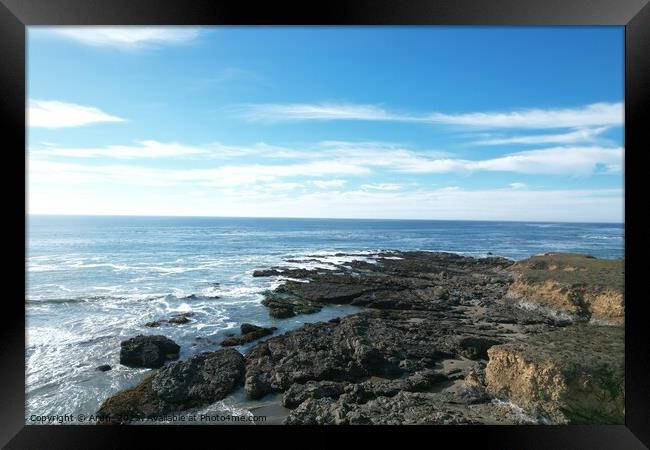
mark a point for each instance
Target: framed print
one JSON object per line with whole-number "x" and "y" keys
{"x": 413, "y": 218}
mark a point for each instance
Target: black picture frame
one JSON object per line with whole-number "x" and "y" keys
{"x": 16, "y": 15}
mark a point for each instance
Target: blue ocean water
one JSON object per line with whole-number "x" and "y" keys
{"x": 94, "y": 281}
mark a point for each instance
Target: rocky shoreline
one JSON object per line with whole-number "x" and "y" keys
{"x": 440, "y": 339}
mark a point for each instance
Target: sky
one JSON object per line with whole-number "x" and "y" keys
{"x": 453, "y": 123}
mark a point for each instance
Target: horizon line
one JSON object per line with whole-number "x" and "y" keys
{"x": 319, "y": 218}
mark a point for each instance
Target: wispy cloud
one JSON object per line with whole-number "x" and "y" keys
{"x": 600, "y": 205}
{"x": 593, "y": 115}
{"x": 550, "y": 161}
{"x": 129, "y": 37}
{"x": 517, "y": 185}
{"x": 381, "y": 187}
{"x": 141, "y": 150}
{"x": 274, "y": 112}
{"x": 366, "y": 157}
{"x": 43, "y": 171}
{"x": 572, "y": 137}
{"x": 147, "y": 149}
{"x": 56, "y": 114}
{"x": 328, "y": 184}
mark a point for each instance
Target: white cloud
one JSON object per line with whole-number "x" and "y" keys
{"x": 142, "y": 150}
{"x": 517, "y": 185}
{"x": 596, "y": 114}
{"x": 381, "y": 187}
{"x": 599, "y": 205}
{"x": 340, "y": 159}
{"x": 42, "y": 171}
{"x": 272, "y": 112}
{"x": 55, "y": 114}
{"x": 550, "y": 161}
{"x": 128, "y": 37}
{"x": 327, "y": 184}
{"x": 593, "y": 115}
{"x": 155, "y": 149}
{"x": 572, "y": 137}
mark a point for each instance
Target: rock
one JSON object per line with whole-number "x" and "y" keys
{"x": 176, "y": 319}
{"x": 387, "y": 344}
{"x": 581, "y": 287}
{"x": 474, "y": 347}
{"x": 201, "y": 380}
{"x": 246, "y": 328}
{"x": 404, "y": 408}
{"x": 148, "y": 351}
{"x": 298, "y": 393}
{"x": 249, "y": 333}
{"x": 392, "y": 363}
{"x": 441, "y": 339}
{"x": 570, "y": 375}
{"x": 266, "y": 273}
{"x": 400, "y": 280}
{"x": 193, "y": 297}
{"x": 283, "y": 303}
{"x": 103, "y": 368}
{"x": 181, "y": 318}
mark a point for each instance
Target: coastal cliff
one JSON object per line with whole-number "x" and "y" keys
{"x": 441, "y": 339}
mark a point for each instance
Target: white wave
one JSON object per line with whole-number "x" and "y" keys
{"x": 210, "y": 291}
{"x": 42, "y": 268}
{"x": 602, "y": 237}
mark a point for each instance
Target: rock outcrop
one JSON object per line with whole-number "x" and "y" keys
{"x": 148, "y": 351}
{"x": 430, "y": 310}
{"x": 440, "y": 339}
{"x": 249, "y": 333}
{"x": 572, "y": 375}
{"x": 580, "y": 286}
{"x": 176, "y": 319}
{"x": 201, "y": 380}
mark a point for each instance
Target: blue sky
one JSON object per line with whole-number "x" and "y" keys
{"x": 479, "y": 123}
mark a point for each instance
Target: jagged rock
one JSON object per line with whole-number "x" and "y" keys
{"x": 148, "y": 351}
{"x": 103, "y": 368}
{"x": 400, "y": 280}
{"x": 298, "y": 393}
{"x": 404, "y": 408}
{"x": 249, "y": 333}
{"x": 387, "y": 344}
{"x": 176, "y": 319}
{"x": 579, "y": 286}
{"x": 571, "y": 375}
{"x": 201, "y": 380}
{"x": 181, "y": 318}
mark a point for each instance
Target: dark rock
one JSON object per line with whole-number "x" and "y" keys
{"x": 407, "y": 280}
{"x": 148, "y": 351}
{"x": 246, "y": 328}
{"x": 103, "y": 368}
{"x": 201, "y": 380}
{"x": 202, "y": 297}
{"x": 477, "y": 347}
{"x": 181, "y": 318}
{"x": 373, "y": 343}
{"x": 153, "y": 324}
{"x": 404, "y": 408}
{"x": 298, "y": 393}
{"x": 249, "y": 333}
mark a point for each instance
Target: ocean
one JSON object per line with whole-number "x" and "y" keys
{"x": 95, "y": 281}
